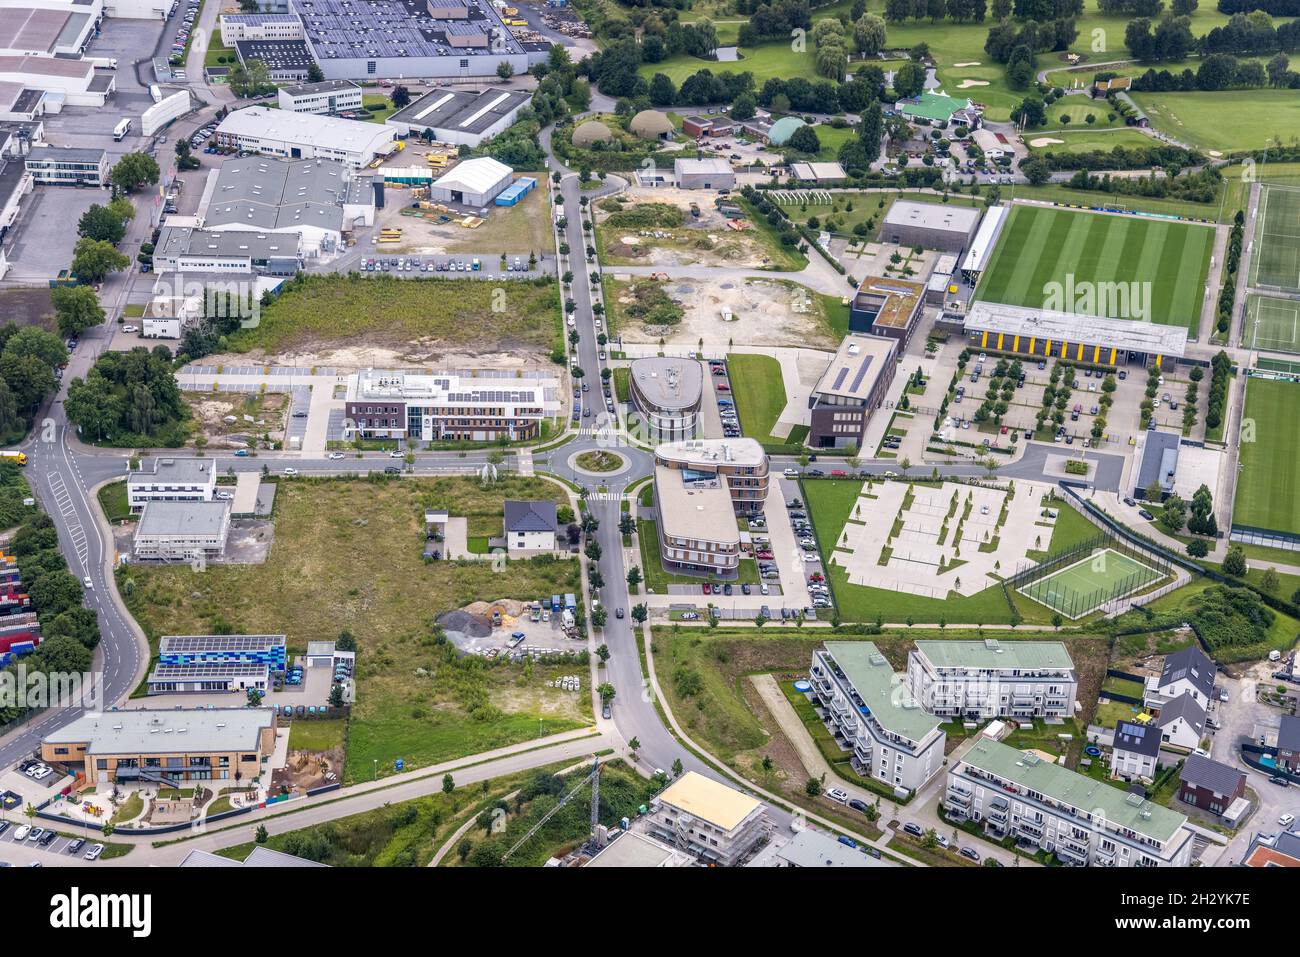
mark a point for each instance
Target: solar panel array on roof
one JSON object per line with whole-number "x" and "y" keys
{"x": 165, "y": 671}
{"x": 862, "y": 372}
{"x": 393, "y": 28}
{"x": 193, "y": 644}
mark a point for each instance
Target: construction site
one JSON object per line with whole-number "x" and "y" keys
{"x": 515, "y": 629}
{"x": 740, "y": 311}
{"x": 702, "y": 234}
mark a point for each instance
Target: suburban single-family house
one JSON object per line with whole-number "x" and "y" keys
{"x": 1135, "y": 751}
{"x": 1182, "y": 722}
{"x": 530, "y": 528}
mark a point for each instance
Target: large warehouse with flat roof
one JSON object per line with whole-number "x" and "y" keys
{"x": 941, "y": 226}
{"x": 412, "y": 38}
{"x": 1078, "y": 338}
{"x": 465, "y": 117}
{"x": 260, "y": 129}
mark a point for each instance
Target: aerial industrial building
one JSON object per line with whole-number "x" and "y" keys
{"x": 465, "y": 117}
{"x": 260, "y": 129}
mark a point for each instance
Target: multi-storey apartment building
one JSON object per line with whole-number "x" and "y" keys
{"x": 172, "y": 480}
{"x": 992, "y": 679}
{"x": 706, "y": 818}
{"x": 700, "y": 487}
{"x": 1082, "y": 820}
{"x": 874, "y": 717}
{"x": 450, "y": 407}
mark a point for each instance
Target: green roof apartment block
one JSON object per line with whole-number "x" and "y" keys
{"x": 871, "y": 713}
{"x": 1082, "y": 820}
{"x": 978, "y": 680}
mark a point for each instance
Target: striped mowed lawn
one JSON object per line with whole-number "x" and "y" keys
{"x": 1041, "y": 246}
{"x": 1268, "y": 487}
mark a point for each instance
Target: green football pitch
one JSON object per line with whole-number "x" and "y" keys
{"x": 1268, "y": 483}
{"x": 1276, "y": 260}
{"x": 1272, "y": 325}
{"x": 1042, "y": 245}
{"x": 1085, "y": 586}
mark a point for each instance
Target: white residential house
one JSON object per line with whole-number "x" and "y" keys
{"x": 530, "y": 528}
{"x": 1182, "y": 722}
{"x": 1189, "y": 671}
{"x": 1135, "y": 752}
{"x": 172, "y": 480}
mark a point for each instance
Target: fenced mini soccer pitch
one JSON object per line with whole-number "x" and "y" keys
{"x": 1089, "y": 576}
{"x": 1276, "y": 262}
{"x": 1272, "y": 324}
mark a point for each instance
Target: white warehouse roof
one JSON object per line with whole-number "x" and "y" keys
{"x": 477, "y": 175}
{"x": 310, "y": 129}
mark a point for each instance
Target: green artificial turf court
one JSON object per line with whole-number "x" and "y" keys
{"x": 1268, "y": 483}
{"x": 1272, "y": 325}
{"x": 1277, "y": 239}
{"x": 1041, "y": 245}
{"x": 1085, "y": 586}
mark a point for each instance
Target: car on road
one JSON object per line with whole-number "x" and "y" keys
{"x": 1145, "y": 514}
{"x": 970, "y": 853}
{"x": 943, "y": 841}
{"x": 911, "y": 827}
{"x": 300, "y": 413}
{"x": 87, "y": 583}
{"x": 838, "y": 794}
{"x": 1130, "y": 501}
{"x": 291, "y": 471}
{"x": 618, "y": 612}
{"x": 241, "y": 453}
{"x": 130, "y": 328}
{"x": 395, "y": 453}
{"x": 1279, "y": 780}
{"x": 858, "y": 805}
{"x": 392, "y": 470}
{"x": 1286, "y": 820}
{"x": 336, "y": 455}
{"x": 607, "y": 712}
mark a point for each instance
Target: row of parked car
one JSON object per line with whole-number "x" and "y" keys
{"x": 726, "y": 405}
{"x": 415, "y": 264}
{"x": 183, "y": 31}
{"x": 36, "y": 770}
{"x": 44, "y": 837}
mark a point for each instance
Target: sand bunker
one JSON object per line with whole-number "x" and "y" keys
{"x": 1215, "y": 153}
{"x": 968, "y": 63}
{"x": 1046, "y": 141}
{"x": 967, "y": 84}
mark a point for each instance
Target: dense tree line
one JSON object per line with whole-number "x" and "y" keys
{"x": 775, "y": 21}
{"x": 28, "y": 358}
{"x": 959, "y": 11}
{"x": 129, "y": 398}
{"x": 1126, "y": 157}
{"x": 1228, "y": 291}
{"x": 1220, "y": 373}
{"x": 1276, "y": 8}
{"x": 1170, "y": 37}
{"x": 1200, "y": 186}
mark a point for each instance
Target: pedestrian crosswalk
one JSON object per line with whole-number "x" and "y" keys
{"x": 605, "y": 497}
{"x": 63, "y": 502}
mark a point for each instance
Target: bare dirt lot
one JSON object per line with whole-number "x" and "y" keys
{"x": 236, "y": 420}
{"x": 763, "y": 312}
{"x": 703, "y": 241}
{"x": 27, "y": 307}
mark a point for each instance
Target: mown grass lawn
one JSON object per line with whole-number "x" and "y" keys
{"x": 385, "y": 310}
{"x": 1224, "y": 121}
{"x": 1268, "y": 486}
{"x": 1085, "y": 138}
{"x": 347, "y": 556}
{"x": 759, "y": 393}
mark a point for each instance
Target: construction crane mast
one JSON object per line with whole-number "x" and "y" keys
{"x": 594, "y": 779}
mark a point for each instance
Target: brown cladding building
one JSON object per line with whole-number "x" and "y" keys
{"x": 849, "y": 390}
{"x": 165, "y": 747}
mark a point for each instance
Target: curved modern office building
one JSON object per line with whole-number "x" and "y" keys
{"x": 667, "y": 392}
